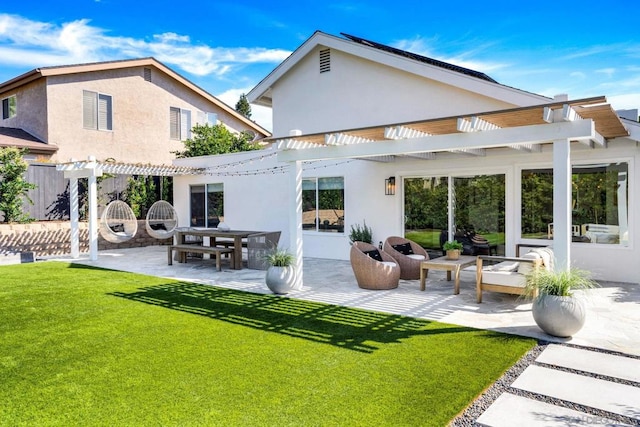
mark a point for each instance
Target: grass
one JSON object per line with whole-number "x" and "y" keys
{"x": 85, "y": 346}
{"x": 431, "y": 238}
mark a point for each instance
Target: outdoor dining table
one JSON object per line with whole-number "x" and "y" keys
{"x": 213, "y": 233}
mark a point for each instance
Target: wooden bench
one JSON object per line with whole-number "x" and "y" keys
{"x": 182, "y": 250}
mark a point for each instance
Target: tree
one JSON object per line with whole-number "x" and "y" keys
{"x": 243, "y": 107}
{"x": 141, "y": 194}
{"x": 13, "y": 186}
{"x": 208, "y": 140}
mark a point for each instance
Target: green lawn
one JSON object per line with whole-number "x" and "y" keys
{"x": 84, "y": 346}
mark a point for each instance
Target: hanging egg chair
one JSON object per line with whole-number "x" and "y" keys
{"x": 118, "y": 223}
{"x": 162, "y": 220}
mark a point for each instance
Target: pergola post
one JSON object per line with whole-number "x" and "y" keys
{"x": 93, "y": 216}
{"x": 74, "y": 217}
{"x": 295, "y": 219}
{"x": 562, "y": 203}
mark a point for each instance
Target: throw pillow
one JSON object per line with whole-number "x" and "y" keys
{"x": 159, "y": 226}
{"x": 404, "y": 249}
{"x": 526, "y": 267}
{"x": 117, "y": 228}
{"x": 374, "y": 253}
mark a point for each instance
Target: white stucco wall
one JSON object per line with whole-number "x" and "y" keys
{"x": 358, "y": 93}
{"x": 262, "y": 201}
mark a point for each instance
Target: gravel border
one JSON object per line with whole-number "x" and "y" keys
{"x": 477, "y": 407}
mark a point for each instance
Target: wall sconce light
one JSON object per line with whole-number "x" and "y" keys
{"x": 390, "y": 186}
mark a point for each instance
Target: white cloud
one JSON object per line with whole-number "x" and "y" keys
{"x": 628, "y": 101}
{"x": 421, "y": 46}
{"x": 609, "y": 72}
{"x": 34, "y": 44}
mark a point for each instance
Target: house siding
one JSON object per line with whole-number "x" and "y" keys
{"x": 32, "y": 109}
{"x": 358, "y": 92}
{"x": 262, "y": 202}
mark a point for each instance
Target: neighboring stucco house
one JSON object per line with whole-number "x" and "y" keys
{"x": 136, "y": 110}
{"x": 351, "y": 116}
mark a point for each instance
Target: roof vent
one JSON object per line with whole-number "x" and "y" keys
{"x": 147, "y": 74}
{"x": 325, "y": 60}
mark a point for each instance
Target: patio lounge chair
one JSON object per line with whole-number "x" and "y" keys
{"x": 508, "y": 274}
{"x": 371, "y": 273}
{"x": 408, "y": 255}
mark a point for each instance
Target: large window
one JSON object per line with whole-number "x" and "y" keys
{"x": 96, "y": 111}
{"x": 599, "y": 203}
{"x": 207, "y": 205}
{"x": 9, "y": 107}
{"x": 477, "y": 207}
{"x": 323, "y": 204}
{"x": 179, "y": 124}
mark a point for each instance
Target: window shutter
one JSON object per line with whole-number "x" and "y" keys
{"x": 104, "y": 112}
{"x": 147, "y": 74}
{"x": 89, "y": 110}
{"x": 185, "y": 122}
{"x": 174, "y": 123}
{"x": 5, "y": 108}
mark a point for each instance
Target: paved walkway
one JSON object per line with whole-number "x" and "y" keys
{"x": 565, "y": 386}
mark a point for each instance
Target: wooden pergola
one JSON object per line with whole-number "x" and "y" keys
{"x": 590, "y": 121}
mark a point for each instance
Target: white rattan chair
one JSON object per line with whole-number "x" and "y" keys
{"x": 118, "y": 223}
{"x": 162, "y": 220}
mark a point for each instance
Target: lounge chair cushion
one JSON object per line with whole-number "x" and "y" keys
{"x": 416, "y": 256}
{"x": 505, "y": 278}
{"x": 374, "y": 253}
{"x": 404, "y": 249}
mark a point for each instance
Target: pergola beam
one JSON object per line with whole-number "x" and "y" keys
{"x": 403, "y": 132}
{"x": 531, "y": 134}
{"x": 479, "y": 152}
{"x": 424, "y": 156}
{"x": 343, "y": 139}
{"x": 475, "y": 124}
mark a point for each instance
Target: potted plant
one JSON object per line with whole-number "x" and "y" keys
{"x": 281, "y": 274}
{"x": 453, "y": 248}
{"x": 556, "y": 310}
{"x": 360, "y": 233}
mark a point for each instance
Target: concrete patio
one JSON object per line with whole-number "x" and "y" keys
{"x": 613, "y": 321}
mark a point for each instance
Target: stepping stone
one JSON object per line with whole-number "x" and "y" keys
{"x": 593, "y": 392}
{"x": 509, "y": 410}
{"x": 609, "y": 365}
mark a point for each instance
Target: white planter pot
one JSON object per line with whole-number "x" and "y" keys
{"x": 280, "y": 280}
{"x": 559, "y": 316}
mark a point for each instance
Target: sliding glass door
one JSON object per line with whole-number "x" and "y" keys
{"x": 475, "y": 205}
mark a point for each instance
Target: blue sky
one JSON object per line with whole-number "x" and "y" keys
{"x": 584, "y": 48}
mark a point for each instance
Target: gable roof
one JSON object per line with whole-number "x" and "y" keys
{"x": 423, "y": 66}
{"x": 38, "y": 73}
{"x": 420, "y": 58}
{"x": 14, "y": 137}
